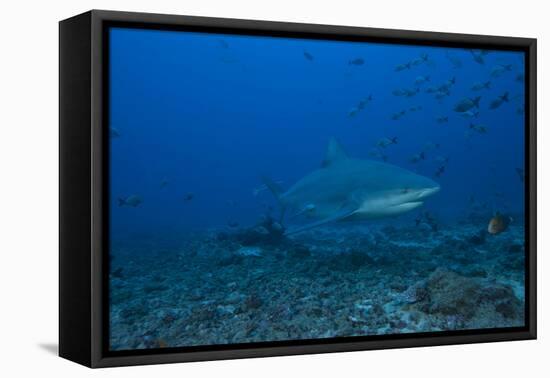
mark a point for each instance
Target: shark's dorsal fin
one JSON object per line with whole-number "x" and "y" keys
{"x": 335, "y": 153}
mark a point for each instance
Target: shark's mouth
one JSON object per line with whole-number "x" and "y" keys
{"x": 406, "y": 206}
{"x": 413, "y": 203}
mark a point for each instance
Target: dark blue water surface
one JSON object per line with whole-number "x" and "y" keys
{"x": 200, "y": 118}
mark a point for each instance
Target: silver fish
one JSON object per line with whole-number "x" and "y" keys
{"x": 385, "y": 142}
{"x": 499, "y": 69}
{"x": 421, "y": 80}
{"x": 499, "y": 101}
{"x": 480, "y": 86}
{"x": 401, "y": 67}
{"x": 131, "y": 201}
{"x": 466, "y": 104}
{"x": 455, "y": 61}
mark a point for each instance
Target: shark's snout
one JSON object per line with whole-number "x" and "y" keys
{"x": 415, "y": 198}
{"x": 424, "y": 193}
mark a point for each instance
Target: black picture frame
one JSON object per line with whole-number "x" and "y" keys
{"x": 83, "y": 195}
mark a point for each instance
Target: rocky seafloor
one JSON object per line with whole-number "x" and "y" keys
{"x": 254, "y": 285}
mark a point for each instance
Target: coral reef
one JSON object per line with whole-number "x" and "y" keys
{"x": 255, "y": 284}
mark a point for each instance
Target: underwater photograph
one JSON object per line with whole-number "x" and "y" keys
{"x": 267, "y": 189}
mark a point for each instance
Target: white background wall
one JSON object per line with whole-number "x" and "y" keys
{"x": 28, "y": 188}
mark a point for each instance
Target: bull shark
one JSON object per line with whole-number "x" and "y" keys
{"x": 348, "y": 189}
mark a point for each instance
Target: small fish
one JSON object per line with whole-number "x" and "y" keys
{"x": 353, "y": 112}
{"x": 402, "y": 67}
{"x": 233, "y": 224}
{"x": 429, "y": 220}
{"x": 431, "y": 89}
{"x": 480, "y": 86}
{"x": 478, "y": 56}
{"x": 362, "y": 103}
{"x": 439, "y": 95}
{"x": 499, "y": 223}
{"x": 415, "y": 108}
{"x": 263, "y": 187}
{"x": 131, "y": 201}
{"x": 411, "y": 92}
{"x": 431, "y": 146}
{"x": 481, "y": 129}
{"x": 223, "y": 43}
{"x": 188, "y": 197}
{"x": 521, "y": 174}
{"x": 308, "y": 56}
{"x": 385, "y": 142}
{"x": 440, "y": 171}
{"x": 375, "y": 153}
{"x": 447, "y": 85}
{"x": 442, "y": 159}
{"x": 418, "y": 61}
{"x": 499, "y": 101}
{"x": 455, "y": 61}
{"x": 470, "y": 114}
{"x": 421, "y": 80}
{"x": 466, "y": 104}
{"x": 520, "y": 77}
{"x": 399, "y": 92}
{"x": 357, "y": 62}
{"x": 114, "y": 133}
{"x": 164, "y": 183}
{"x": 442, "y": 119}
{"x": 499, "y": 69}
{"x": 417, "y": 157}
{"x": 398, "y": 115}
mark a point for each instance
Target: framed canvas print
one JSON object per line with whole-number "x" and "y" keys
{"x": 233, "y": 188}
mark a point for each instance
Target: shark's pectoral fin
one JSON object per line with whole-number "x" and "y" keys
{"x": 342, "y": 214}
{"x": 306, "y": 210}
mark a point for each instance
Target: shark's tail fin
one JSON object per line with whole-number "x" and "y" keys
{"x": 277, "y": 192}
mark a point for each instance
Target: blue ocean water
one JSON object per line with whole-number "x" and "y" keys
{"x": 198, "y": 119}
